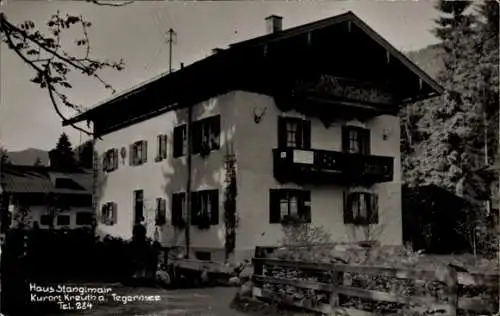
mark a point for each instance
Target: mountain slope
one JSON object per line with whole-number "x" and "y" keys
{"x": 28, "y": 157}
{"x": 429, "y": 58}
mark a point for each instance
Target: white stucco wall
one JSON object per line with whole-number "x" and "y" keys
{"x": 253, "y": 144}
{"x": 255, "y": 177}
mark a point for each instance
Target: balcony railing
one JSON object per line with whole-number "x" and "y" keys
{"x": 322, "y": 166}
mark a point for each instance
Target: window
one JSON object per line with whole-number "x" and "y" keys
{"x": 138, "y": 153}
{"x": 289, "y": 204}
{"x": 179, "y": 209}
{"x": 180, "y": 140}
{"x": 206, "y": 135}
{"x": 205, "y": 208}
{"x": 110, "y": 160}
{"x": 45, "y": 220}
{"x": 203, "y": 255}
{"x": 83, "y": 218}
{"x": 138, "y": 206}
{"x": 161, "y": 210}
{"x": 161, "y": 147}
{"x": 63, "y": 220}
{"x": 360, "y": 208}
{"x": 66, "y": 183}
{"x": 109, "y": 213}
{"x": 356, "y": 140}
{"x": 294, "y": 133}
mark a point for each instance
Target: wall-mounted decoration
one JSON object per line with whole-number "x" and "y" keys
{"x": 258, "y": 114}
{"x": 123, "y": 153}
{"x": 386, "y": 132}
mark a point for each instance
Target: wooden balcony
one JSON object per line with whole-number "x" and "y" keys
{"x": 330, "y": 167}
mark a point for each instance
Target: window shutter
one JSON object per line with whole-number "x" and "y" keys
{"x": 373, "y": 219}
{"x": 178, "y": 141}
{"x": 345, "y": 138}
{"x": 348, "y": 216}
{"x": 114, "y": 212}
{"x": 164, "y": 147}
{"x": 281, "y": 132}
{"x": 214, "y": 204}
{"x": 195, "y": 205}
{"x": 366, "y": 141}
{"x": 104, "y": 162}
{"x": 115, "y": 154}
{"x": 306, "y": 134}
{"x": 101, "y": 216}
{"x": 305, "y": 206}
{"x": 215, "y": 130}
{"x": 196, "y": 136}
{"x": 176, "y": 208}
{"x": 131, "y": 154}
{"x": 144, "y": 145}
{"x": 274, "y": 206}
{"x": 158, "y": 147}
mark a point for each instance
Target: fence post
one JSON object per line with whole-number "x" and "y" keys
{"x": 337, "y": 281}
{"x": 451, "y": 280}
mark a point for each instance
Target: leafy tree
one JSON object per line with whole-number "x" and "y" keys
{"x": 85, "y": 153}
{"x": 62, "y": 157}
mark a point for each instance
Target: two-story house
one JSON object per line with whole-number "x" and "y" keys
{"x": 302, "y": 121}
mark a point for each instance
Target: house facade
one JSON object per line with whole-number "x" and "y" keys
{"x": 282, "y": 128}
{"x": 39, "y": 196}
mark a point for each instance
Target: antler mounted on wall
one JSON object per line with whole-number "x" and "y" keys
{"x": 258, "y": 114}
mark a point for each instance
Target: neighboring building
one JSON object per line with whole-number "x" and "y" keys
{"x": 307, "y": 115}
{"x": 39, "y": 195}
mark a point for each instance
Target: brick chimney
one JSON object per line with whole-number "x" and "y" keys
{"x": 274, "y": 23}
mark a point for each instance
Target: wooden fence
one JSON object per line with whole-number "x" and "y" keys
{"x": 332, "y": 285}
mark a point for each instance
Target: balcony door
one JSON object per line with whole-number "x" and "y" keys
{"x": 294, "y": 133}
{"x": 138, "y": 206}
{"x": 356, "y": 140}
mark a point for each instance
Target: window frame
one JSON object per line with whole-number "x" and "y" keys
{"x": 206, "y": 134}
{"x": 180, "y": 198}
{"x": 59, "y": 216}
{"x": 209, "y": 216}
{"x": 138, "y": 205}
{"x": 301, "y": 132}
{"x": 303, "y": 208}
{"x": 82, "y": 214}
{"x": 371, "y": 206}
{"x": 180, "y": 131}
{"x": 161, "y": 151}
{"x": 363, "y": 140}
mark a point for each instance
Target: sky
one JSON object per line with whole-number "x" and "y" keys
{"x": 138, "y": 34}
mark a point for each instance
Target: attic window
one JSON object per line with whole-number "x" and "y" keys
{"x": 66, "y": 183}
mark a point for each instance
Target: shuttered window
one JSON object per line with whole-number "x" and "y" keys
{"x": 110, "y": 160}
{"x": 285, "y": 203}
{"x": 161, "y": 152}
{"x": 109, "y": 213}
{"x": 178, "y": 209}
{"x": 161, "y": 212}
{"x": 360, "y": 208}
{"x": 356, "y": 140}
{"x": 139, "y": 153}
{"x": 294, "y": 133}
{"x": 206, "y": 135}
{"x": 205, "y": 208}
{"x": 180, "y": 141}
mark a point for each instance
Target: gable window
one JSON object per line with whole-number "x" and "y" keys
{"x": 289, "y": 204}
{"x": 206, "y": 135}
{"x": 138, "y": 153}
{"x": 161, "y": 153}
{"x": 294, "y": 133}
{"x": 110, "y": 160}
{"x": 180, "y": 141}
{"x": 63, "y": 220}
{"x": 205, "y": 208}
{"x": 179, "y": 210}
{"x": 109, "y": 213}
{"x": 360, "y": 208}
{"x": 138, "y": 206}
{"x": 45, "y": 220}
{"x": 161, "y": 210}
{"x": 356, "y": 140}
{"x": 83, "y": 218}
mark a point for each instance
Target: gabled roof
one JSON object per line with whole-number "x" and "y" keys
{"x": 238, "y": 50}
{"x": 42, "y": 180}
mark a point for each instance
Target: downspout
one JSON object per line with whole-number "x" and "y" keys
{"x": 189, "y": 175}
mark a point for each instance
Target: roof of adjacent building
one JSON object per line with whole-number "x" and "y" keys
{"x": 199, "y": 75}
{"x": 44, "y": 180}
